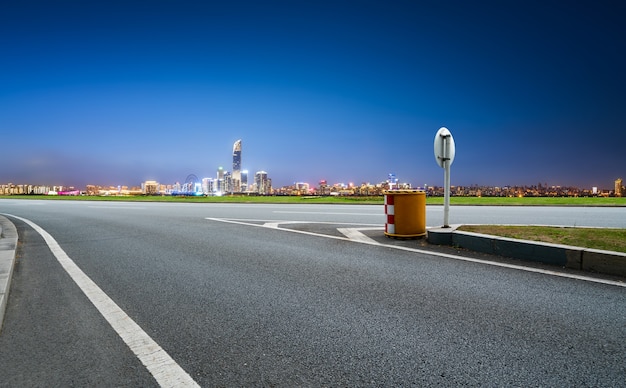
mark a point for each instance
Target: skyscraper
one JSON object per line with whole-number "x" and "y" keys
{"x": 244, "y": 180}
{"x": 219, "y": 186}
{"x": 263, "y": 183}
{"x": 237, "y": 167}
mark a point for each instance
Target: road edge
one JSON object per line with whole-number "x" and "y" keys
{"x": 572, "y": 257}
{"x": 8, "y": 245}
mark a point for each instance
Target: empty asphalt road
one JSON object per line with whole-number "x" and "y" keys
{"x": 276, "y": 295}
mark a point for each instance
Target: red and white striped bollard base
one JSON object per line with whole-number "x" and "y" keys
{"x": 390, "y": 226}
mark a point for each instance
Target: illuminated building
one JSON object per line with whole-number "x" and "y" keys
{"x": 244, "y": 180}
{"x": 219, "y": 184}
{"x": 324, "y": 189}
{"x": 150, "y": 188}
{"x": 392, "y": 181}
{"x": 236, "y": 176}
{"x": 302, "y": 188}
{"x": 263, "y": 184}
{"x": 228, "y": 182}
{"x": 208, "y": 186}
{"x": 619, "y": 189}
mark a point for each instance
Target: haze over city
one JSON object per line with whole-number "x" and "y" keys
{"x": 120, "y": 92}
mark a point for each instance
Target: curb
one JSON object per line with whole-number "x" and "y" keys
{"x": 584, "y": 259}
{"x": 8, "y": 244}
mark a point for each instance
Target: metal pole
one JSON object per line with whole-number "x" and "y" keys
{"x": 446, "y": 194}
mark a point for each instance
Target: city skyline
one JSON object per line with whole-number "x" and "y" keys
{"x": 262, "y": 186}
{"x": 236, "y": 180}
{"x": 347, "y": 91}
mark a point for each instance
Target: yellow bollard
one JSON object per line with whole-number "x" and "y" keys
{"x": 405, "y": 211}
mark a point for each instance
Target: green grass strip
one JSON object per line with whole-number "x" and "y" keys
{"x": 593, "y": 238}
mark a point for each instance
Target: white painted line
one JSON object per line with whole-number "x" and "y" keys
{"x": 446, "y": 255}
{"x": 354, "y": 234}
{"x": 276, "y": 223}
{"x": 331, "y": 213}
{"x": 116, "y": 207}
{"x": 164, "y": 369}
{"x": 270, "y": 223}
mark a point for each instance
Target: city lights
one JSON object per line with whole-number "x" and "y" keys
{"x": 237, "y": 183}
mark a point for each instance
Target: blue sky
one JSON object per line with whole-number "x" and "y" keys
{"x": 118, "y": 92}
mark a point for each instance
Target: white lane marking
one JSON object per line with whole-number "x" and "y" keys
{"x": 116, "y": 207}
{"x": 355, "y": 234}
{"x": 164, "y": 369}
{"x": 272, "y": 222}
{"x": 331, "y": 213}
{"x": 446, "y": 255}
{"x": 20, "y": 202}
{"x": 276, "y": 223}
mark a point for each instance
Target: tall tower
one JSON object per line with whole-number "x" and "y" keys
{"x": 262, "y": 182}
{"x": 237, "y": 167}
{"x": 219, "y": 185}
{"x": 619, "y": 189}
{"x": 244, "y": 180}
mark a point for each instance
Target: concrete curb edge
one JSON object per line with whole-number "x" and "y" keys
{"x": 591, "y": 260}
{"x": 8, "y": 245}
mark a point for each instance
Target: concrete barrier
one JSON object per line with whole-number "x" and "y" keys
{"x": 592, "y": 260}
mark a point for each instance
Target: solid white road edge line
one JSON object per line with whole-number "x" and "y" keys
{"x": 446, "y": 255}
{"x": 164, "y": 369}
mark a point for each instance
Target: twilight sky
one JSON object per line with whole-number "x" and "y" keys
{"x": 118, "y": 92}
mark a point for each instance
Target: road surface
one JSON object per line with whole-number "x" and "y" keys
{"x": 277, "y": 295}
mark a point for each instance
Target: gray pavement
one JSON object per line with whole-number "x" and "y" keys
{"x": 239, "y": 305}
{"x": 610, "y": 263}
{"x": 52, "y": 336}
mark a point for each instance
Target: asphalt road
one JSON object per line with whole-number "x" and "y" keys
{"x": 236, "y": 300}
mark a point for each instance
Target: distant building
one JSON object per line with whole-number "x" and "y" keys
{"x": 619, "y": 189}
{"x": 263, "y": 183}
{"x": 324, "y": 189}
{"x": 392, "y": 181}
{"x": 150, "y": 188}
{"x": 228, "y": 182}
{"x": 244, "y": 180}
{"x": 219, "y": 181}
{"x": 208, "y": 186}
{"x": 302, "y": 188}
{"x": 236, "y": 177}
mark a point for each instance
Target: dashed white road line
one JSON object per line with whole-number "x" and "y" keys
{"x": 164, "y": 369}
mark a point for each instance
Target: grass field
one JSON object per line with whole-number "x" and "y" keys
{"x": 378, "y": 200}
{"x": 594, "y": 238}
{"x": 531, "y": 201}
